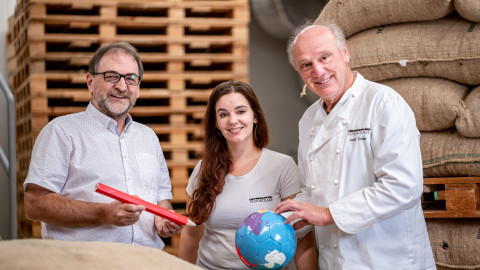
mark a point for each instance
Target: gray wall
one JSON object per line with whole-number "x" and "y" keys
{"x": 5, "y": 12}
{"x": 277, "y": 86}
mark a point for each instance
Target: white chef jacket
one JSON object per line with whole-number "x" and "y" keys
{"x": 363, "y": 162}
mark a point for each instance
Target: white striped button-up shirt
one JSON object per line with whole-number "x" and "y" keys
{"x": 75, "y": 152}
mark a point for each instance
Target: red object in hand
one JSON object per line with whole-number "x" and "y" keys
{"x": 150, "y": 207}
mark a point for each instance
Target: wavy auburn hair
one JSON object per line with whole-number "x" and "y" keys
{"x": 216, "y": 163}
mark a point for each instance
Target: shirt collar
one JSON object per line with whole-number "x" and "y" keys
{"x": 105, "y": 120}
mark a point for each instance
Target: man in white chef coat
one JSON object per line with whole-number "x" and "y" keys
{"x": 359, "y": 157}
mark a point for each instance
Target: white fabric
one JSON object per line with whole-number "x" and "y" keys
{"x": 75, "y": 152}
{"x": 363, "y": 162}
{"x": 275, "y": 176}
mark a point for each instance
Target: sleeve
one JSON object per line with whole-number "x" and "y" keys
{"x": 193, "y": 180}
{"x": 290, "y": 179}
{"x": 397, "y": 166}
{"x": 165, "y": 185}
{"x": 304, "y": 195}
{"x": 50, "y": 159}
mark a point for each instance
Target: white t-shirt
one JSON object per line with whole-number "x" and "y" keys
{"x": 275, "y": 176}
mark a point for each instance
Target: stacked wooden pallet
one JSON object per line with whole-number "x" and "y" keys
{"x": 187, "y": 47}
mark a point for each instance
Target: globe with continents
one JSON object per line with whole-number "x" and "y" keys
{"x": 264, "y": 241}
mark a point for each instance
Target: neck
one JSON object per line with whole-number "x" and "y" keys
{"x": 329, "y": 105}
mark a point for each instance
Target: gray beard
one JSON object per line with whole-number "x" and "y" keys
{"x": 108, "y": 108}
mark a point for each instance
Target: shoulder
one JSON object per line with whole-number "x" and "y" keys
{"x": 309, "y": 114}
{"x": 144, "y": 130}
{"x": 276, "y": 157}
{"x": 66, "y": 123}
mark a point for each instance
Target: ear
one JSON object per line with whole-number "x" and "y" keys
{"x": 90, "y": 83}
{"x": 346, "y": 54}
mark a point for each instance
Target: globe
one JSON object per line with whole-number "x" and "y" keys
{"x": 264, "y": 241}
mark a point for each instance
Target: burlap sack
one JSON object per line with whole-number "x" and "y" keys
{"x": 455, "y": 243}
{"x": 38, "y": 254}
{"x": 468, "y": 122}
{"x": 445, "y": 48}
{"x": 435, "y": 102}
{"x": 357, "y": 15}
{"x": 449, "y": 154}
{"x": 469, "y": 9}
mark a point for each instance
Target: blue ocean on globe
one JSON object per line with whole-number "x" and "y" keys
{"x": 264, "y": 241}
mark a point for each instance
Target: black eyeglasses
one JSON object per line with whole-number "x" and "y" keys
{"x": 113, "y": 77}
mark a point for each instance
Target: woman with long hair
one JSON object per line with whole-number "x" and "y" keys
{"x": 236, "y": 176}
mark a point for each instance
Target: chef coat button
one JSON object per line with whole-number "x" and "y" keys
{"x": 312, "y": 131}
{"x": 344, "y": 122}
{"x": 337, "y": 151}
{"x": 314, "y": 187}
{"x": 312, "y": 158}
{"x": 335, "y": 182}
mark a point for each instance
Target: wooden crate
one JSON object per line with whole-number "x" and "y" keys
{"x": 187, "y": 47}
{"x": 451, "y": 197}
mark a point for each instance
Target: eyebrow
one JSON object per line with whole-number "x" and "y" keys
{"x": 236, "y": 108}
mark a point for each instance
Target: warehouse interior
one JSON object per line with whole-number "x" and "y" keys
{"x": 430, "y": 57}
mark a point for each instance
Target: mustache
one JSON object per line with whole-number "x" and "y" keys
{"x": 118, "y": 94}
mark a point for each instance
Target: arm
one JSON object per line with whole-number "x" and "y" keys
{"x": 189, "y": 241}
{"x": 166, "y": 228}
{"x": 306, "y": 255}
{"x": 47, "y": 206}
{"x": 397, "y": 179}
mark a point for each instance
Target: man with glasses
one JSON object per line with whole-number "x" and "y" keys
{"x": 101, "y": 144}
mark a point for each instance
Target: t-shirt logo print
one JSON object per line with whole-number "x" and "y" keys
{"x": 260, "y": 199}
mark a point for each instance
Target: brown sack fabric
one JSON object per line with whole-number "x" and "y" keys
{"x": 357, "y": 15}
{"x": 446, "y": 48}
{"x": 455, "y": 242}
{"x": 469, "y": 9}
{"x": 39, "y": 254}
{"x": 435, "y": 102}
{"x": 446, "y": 153}
{"x": 468, "y": 122}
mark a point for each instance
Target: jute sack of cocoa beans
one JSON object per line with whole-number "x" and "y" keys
{"x": 455, "y": 242}
{"x": 435, "y": 102}
{"x": 469, "y": 9}
{"x": 468, "y": 122}
{"x": 39, "y": 254}
{"x": 447, "y": 153}
{"x": 357, "y": 15}
{"x": 445, "y": 48}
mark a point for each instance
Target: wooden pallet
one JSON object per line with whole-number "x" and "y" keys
{"x": 451, "y": 197}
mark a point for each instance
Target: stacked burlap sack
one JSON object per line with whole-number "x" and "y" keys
{"x": 429, "y": 52}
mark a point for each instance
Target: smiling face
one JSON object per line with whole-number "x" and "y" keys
{"x": 322, "y": 65}
{"x": 235, "y": 119}
{"x": 114, "y": 99}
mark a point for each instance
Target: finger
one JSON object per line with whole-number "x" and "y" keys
{"x": 300, "y": 224}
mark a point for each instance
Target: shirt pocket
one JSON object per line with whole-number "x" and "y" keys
{"x": 148, "y": 167}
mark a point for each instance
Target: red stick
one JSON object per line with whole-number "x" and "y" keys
{"x": 150, "y": 207}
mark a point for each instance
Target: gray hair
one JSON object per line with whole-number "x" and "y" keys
{"x": 113, "y": 47}
{"x": 336, "y": 30}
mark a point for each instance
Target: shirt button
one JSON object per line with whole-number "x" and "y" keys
{"x": 312, "y": 131}
{"x": 335, "y": 245}
{"x": 344, "y": 122}
{"x": 312, "y": 158}
{"x": 313, "y": 187}
{"x": 335, "y": 182}
{"x": 337, "y": 151}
